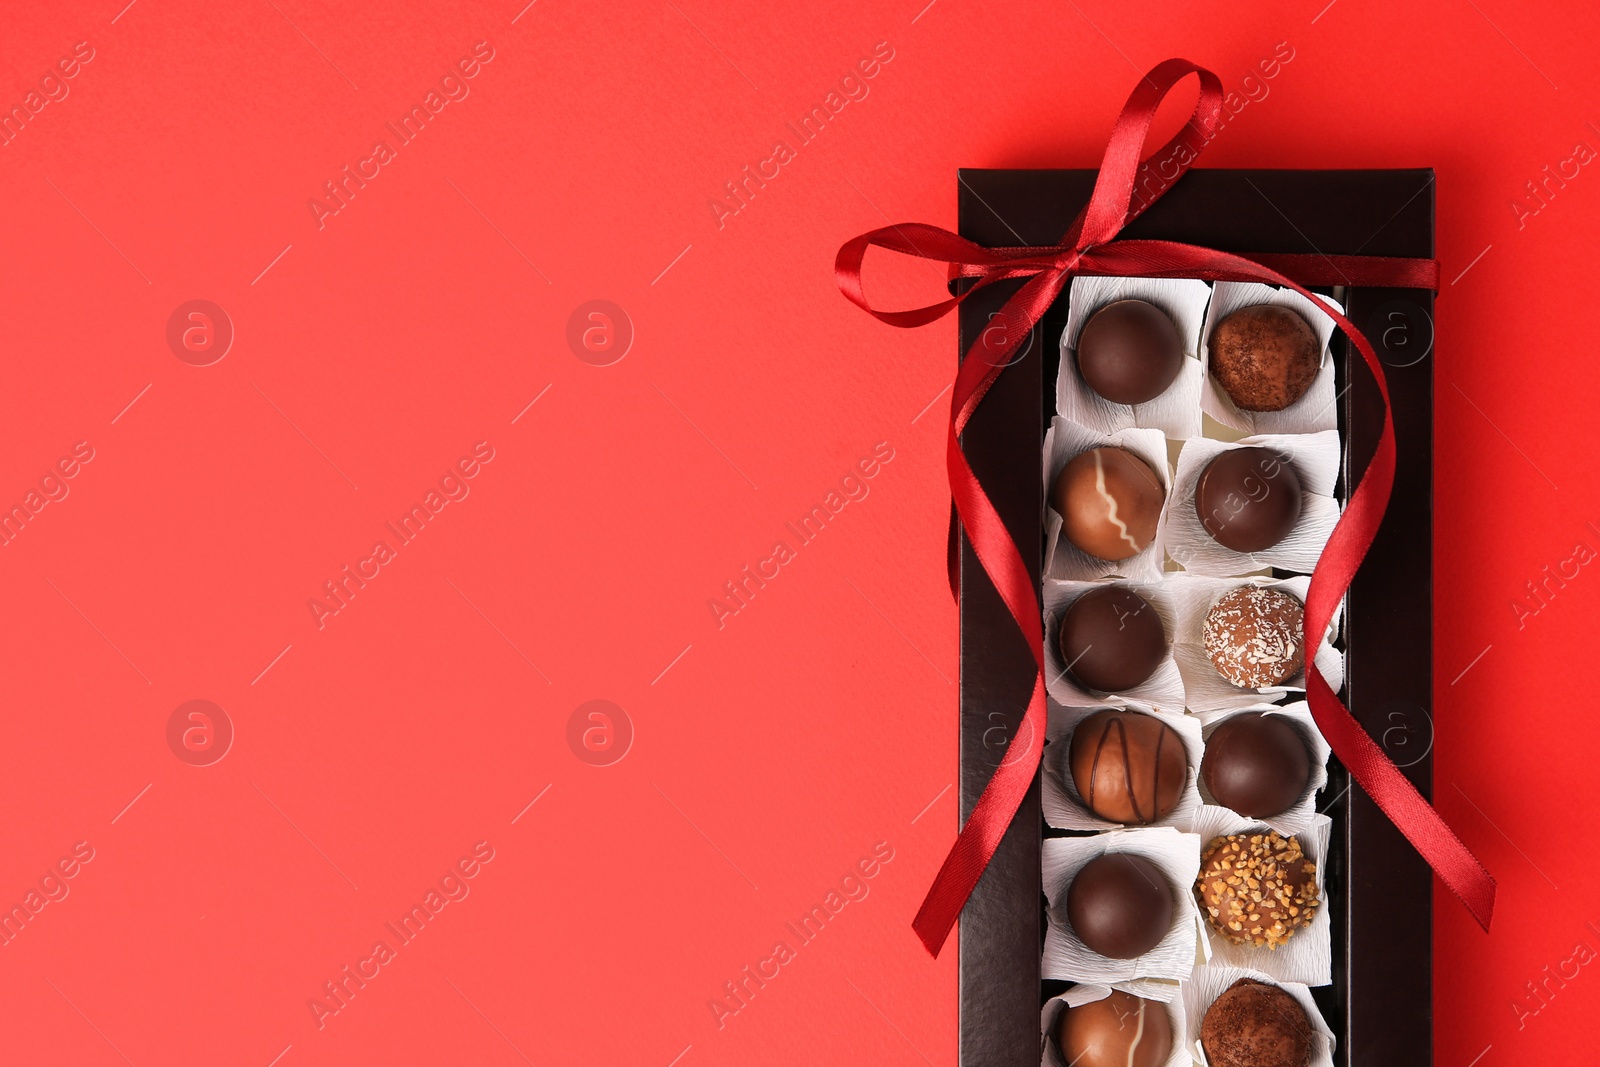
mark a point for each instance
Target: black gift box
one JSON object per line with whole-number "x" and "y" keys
{"x": 1380, "y": 892}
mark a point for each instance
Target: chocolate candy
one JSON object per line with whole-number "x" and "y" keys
{"x": 1121, "y": 1030}
{"x": 1257, "y": 888}
{"x": 1254, "y": 1024}
{"x": 1129, "y": 352}
{"x": 1120, "y": 905}
{"x": 1255, "y": 636}
{"x": 1109, "y": 500}
{"x": 1128, "y": 767}
{"x": 1256, "y": 764}
{"x": 1264, "y": 357}
{"x": 1112, "y": 639}
{"x": 1248, "y": 499}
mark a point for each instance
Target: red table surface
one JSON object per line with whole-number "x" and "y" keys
{"x": 800, "y": 746}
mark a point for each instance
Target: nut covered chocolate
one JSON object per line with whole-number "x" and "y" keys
{"x": 1257, "y": 888}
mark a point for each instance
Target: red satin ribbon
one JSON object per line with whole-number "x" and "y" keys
{"x": 1090, "y": 247}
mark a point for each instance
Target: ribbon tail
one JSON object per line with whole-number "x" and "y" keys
{"x": 984, "y": 828}
{"x": 1002, "y": 561}
{"x": 981, "y": 834}
{"x": 1341, "y": 558}
{"x": 1399, "y": 800}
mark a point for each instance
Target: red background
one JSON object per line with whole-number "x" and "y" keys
{"x": 769, "y": 755}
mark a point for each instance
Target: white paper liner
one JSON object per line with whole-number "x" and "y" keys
{"x": 1308, "y": 954}
{"x": 1302, "y": 817}
{"x": 1088, "y": 994}
{"x": 1156, "y": 974}
{"x": 1213, "y": 980}
{"x": 1064, "y": 560}
{"x": 1315, "y": 460}
{"x": 1163, "y": 689}
{"x": 1205, "y": 690}
{"x": 1176, "y": 412}
{"x": 1315, "y": 410}
{"x": 1062, "y": 805}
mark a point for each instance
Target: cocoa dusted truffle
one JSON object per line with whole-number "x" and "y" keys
{"x": 1121, "y": 1030}
{"x": 1253, "y": 1024}
{"x": 1112, "y": 639}
{"x": 1120, "y": 905}
{"x": 1109, "y": 501}
{"x": 1257, "y": 888}
{"x": 1128, "y": 767}
{"x": 1256, "y": 764}
{"x": 1264, "y": 357}
{"x": 1248, "y": 499}
{"x": 1129, "y": 352}
{"x": 1255, "y": 636}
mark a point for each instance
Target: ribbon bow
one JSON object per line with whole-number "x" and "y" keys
{"x": 1090, "y": 247}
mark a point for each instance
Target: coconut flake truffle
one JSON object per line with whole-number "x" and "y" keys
{"x": 1255, "y": 636}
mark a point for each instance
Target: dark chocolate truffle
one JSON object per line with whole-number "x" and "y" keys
{"x": 1121, "y": 1030}
{"x": 1128, "y": 767}
{"x": 1257, "y": 888}
{"x": 1265, "y": 357}
{"x": 1129, "y": 352}
{"x": 1120, "y": 905}
{"x": 1112, "y": 639}
{"x": 1255, "y": 636}
{"x": 1248, "y": 499}
{"x": 1256, "y": 764}
{"x": 1109, "y": 500}
{"x": 1254, "y": 1024}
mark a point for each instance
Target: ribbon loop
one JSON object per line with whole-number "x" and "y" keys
{"x": 1090, "y": 247}
{"x": 1109, "y": 208}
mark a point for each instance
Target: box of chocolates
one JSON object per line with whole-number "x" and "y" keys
{"x": 1192, "y": 878}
